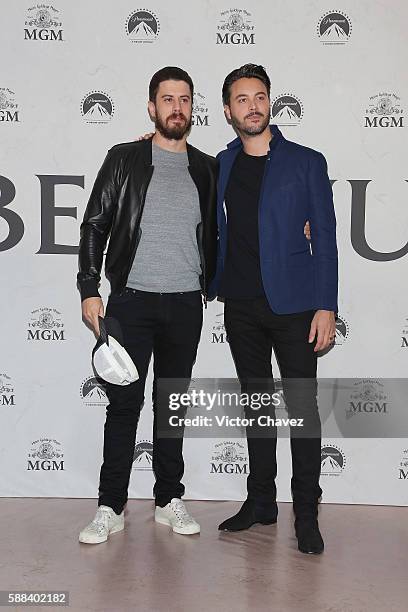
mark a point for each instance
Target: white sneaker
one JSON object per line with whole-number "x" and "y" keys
{"x": 176, "y": 516}
{"x": 106, "y": 521}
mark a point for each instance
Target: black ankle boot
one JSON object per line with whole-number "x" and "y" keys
{"x": 308, "y": 535}
{"x": 249, "y": 514}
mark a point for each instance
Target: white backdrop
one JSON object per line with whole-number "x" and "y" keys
{"x": 73, "y": 82}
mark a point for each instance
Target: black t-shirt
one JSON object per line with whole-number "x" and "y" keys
{"x": 242, "y": 273}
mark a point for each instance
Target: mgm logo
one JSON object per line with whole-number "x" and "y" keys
{"x": 45, "y": 455}
{"x": 229, "y": 458}
{"x": 7, "y": 397}
{"x": 46, "y": 324}
{"x": 368, "y": 396}
{"x": 200, "y": 111}
{"x": 384, "y": 110}
{"x": 218, "y": 334}
{"x": 43, "y": 23}
{"x": 8, "y": 106}
{"x": 403, "y": 466}
{"x": 235, "y": 28}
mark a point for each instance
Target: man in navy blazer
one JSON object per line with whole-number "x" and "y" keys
{"x": 280, "y": 291}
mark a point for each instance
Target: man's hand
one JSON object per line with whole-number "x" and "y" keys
{"x": 145, "y": 136}
{"x": 324, "y": 326}
{"x": 92, "y": 308}
{"x": 306, "y": 230}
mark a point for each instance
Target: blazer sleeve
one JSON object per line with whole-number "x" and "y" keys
{"x": 96, "y": 226}
{"x": 323, "y": 234}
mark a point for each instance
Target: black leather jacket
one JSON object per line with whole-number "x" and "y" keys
{"x": 115, "y": 208}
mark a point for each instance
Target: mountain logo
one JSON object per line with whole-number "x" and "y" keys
{"x": 43, "y": 22}
{"x": 286, "y": 109}
{"x": 235, "y": 27}
{"x": 200, "y": 111}
{"x": 7, "y": 397}
{"x": 97, "y": 107}
{"x": 46, "y": 324}
{"x": 404, "y": 335}
{"x": 93, "y": 392}
{"x": 333, "y": 460}
{"x": 142, "y": 26}
{"x": 342, "y": 331}
{"x": 384, "y": 110}
{"x": 143, "y": 455}
{"x": 334, "y": 28}
{"x": 8, "y": 106}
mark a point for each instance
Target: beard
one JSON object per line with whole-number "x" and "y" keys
{"x": 250, "y": 130}
{"x": 175, "y": 132}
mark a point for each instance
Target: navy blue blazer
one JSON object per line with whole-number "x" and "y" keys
{"x": 296, "y": 275}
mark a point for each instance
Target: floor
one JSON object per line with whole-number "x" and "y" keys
{"x": 149, "y": 568}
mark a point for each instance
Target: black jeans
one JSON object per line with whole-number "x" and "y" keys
{"x": 167, "y": 325}
{"x": 253, "y": 329}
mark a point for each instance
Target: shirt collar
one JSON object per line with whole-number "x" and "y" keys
{"x": 275, "y": 131}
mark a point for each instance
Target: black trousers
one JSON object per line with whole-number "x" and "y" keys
{"x": 253, "y": 329}
{"x": 167, "y": 325}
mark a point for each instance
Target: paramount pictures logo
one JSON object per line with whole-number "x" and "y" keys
{"x": 93, "y": 392}
{"x": 200, "y": 111}
{"x": 45, "y": 455}
{"x": 7, "y": 397}
{"x": 218, "y": 334}
{"x": 143, "y": 455}
{"x": 46, "y": 324}
{"x": 342, "y": 331}
{"x": 235, "y": 28}
{"x": 368, "y": 396}
{"x": 142, "y": 26}
{"x": 334, "y": 28}
{"x": 404, "y": 335}
{"x": 286, "y": 109}
{"x": 97, "y": 107}
{"x": 8, "y": 106}
{"x": 229, "y": 458}
{"x": 384, "y": 110}
{"x": 43, "y": 23}
{"x": 403, "y": 466}
{"x": 333, "y": 460}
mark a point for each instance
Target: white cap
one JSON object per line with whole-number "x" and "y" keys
{"x": 110, "y": 360}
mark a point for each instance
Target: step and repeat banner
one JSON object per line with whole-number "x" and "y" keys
{"x": 73, "y": 82}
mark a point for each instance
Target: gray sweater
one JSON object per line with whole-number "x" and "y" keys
{"x": 167, "y": 257}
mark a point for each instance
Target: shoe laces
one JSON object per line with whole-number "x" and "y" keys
{"x": 180, "y": 510}
{"x": 103, "y": 514}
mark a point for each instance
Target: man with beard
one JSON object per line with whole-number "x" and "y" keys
{"x": 278, "y": 292}
{"x": 156, "y": 199}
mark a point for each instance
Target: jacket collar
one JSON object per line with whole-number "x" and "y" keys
{"x": 275, "y": 131}
{"x": 146, "y": 146}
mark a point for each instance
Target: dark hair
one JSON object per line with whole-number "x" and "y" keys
{"x": 166, "y": 74}
{"x": 248, "y": 71}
